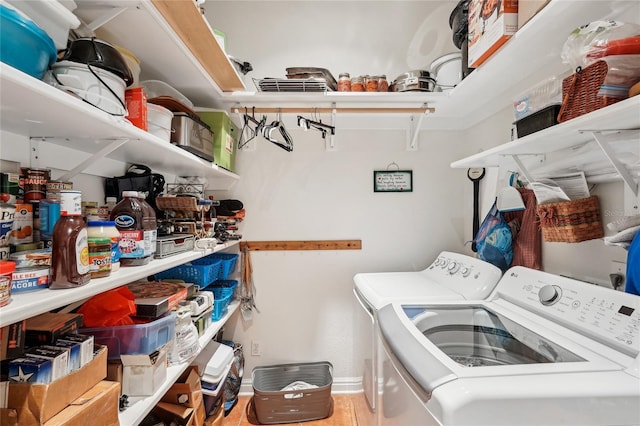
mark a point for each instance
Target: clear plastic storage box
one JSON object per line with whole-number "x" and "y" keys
{"x": 546, "y": 93}
{"x": 135, "y": 339}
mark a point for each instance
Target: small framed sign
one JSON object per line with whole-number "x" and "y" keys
{"x": 393, "y": 181}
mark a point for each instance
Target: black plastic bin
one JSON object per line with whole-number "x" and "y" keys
{"x": 539, "y": 120}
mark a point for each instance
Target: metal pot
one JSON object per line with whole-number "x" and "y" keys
{"x": 99, "y": 54}
{"x": 416, "y": 80}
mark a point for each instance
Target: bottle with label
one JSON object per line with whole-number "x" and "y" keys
{"x": 70, "y": 252}
{"x": 128, "y": 218}
{"x": 149, "y": 224}
{"x": 107, "y": 229}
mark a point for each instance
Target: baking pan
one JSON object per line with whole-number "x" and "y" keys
{"x": 313, "y": 72}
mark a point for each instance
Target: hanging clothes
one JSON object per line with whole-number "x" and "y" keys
{"x": 527, "y": 242}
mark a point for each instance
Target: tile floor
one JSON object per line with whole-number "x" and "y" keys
{"x": 343, "y": 413}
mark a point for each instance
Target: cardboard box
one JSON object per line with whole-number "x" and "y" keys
{"x": 186, "y": 390}
{"x": 45, "y": 328}
{"x": 30, "y": 370}
{"x": 8, "y": 417}
{"x": 12, "y": 339}
{"x": 37, "y": 403}
{"x": 491, "y": 24}
{"x": 179, "y": 414}
{"x": 114, "y": 370}
{"x": 59, "y": 358}
{"x": 96, "y": 407}
{"x": 142, "y": 375}
{"x": 86, "y": 345}
{"x": 527, "y": 10}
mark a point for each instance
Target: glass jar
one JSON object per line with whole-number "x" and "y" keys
{"x": 371, "y": 83}
{"x": 107, "y": 229}
{"x": 357, "y": 84}
{"x": 383, "y": 84}
{"x": 344, "y": 82}
{"x": 99, "y": 257}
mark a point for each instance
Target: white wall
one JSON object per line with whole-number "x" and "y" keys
{"x": 305, "y": 297}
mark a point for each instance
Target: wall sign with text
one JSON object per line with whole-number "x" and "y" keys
{"x": 393, "y": 181}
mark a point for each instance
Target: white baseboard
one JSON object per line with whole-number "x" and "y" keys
{"x": 339, "y": 385}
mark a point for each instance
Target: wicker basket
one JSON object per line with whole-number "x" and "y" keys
{"x": 571, "y": 221}
{"x": 580, "y": 91}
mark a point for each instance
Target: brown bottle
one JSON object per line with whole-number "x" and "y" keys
{"x": 70, "y": 257}
{"x": 128, "y": 216}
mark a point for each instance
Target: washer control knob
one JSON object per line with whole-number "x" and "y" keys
{"x": 465, "y": 271}
{"x": 443, "y": 264}
{"x": 549, "y": 294}
{"x": 453, "y": 267}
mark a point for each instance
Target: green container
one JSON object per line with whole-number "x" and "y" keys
{"x": 225, "y": 139}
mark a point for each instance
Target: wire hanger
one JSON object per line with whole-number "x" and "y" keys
{"x": 267, "y": 132}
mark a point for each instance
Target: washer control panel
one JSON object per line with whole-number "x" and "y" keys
{"x": 597, "y": 312}
{"x": 463, "y": 266}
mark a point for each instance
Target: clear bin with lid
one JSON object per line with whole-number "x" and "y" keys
{"x": 157, "y": 88}
{"x": 545, "y": 93}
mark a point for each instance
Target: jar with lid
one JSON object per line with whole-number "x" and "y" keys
{"x": 357, "y": 84}
{"x": 371, "y": 83}
{"x": 70, "y": 252}
{"x": 344, "y": 82}
{"x": 100, "y": 257}
{"x": 383, "y": 84}
{"x": 107, "y": 229}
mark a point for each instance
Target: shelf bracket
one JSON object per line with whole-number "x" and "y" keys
{"x": 523, "y": 169}
{"x": 110, "y": 14}
{"x": 330, "y": 144}
{"x": 414, "y": 131}
{"x": 604, "y": 140}
{"x": 115, "y": 144}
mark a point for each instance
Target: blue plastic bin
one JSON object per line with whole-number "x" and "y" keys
{"x": 220, "y": 305}
{"x": 223, "y": 288}
{"x": 228, "y": 263}
{"x": 196, "y": 272}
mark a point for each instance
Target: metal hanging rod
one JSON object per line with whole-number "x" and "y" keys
{"x": 331, "y": 110}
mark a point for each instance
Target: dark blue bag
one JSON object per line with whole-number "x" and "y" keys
{"x": 494, "y": 240}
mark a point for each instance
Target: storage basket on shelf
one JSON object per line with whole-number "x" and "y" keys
{"x": 228, "y": 263}
{"x": 580, "y": 91}
{"x": 571, "y": 221}
{"x": 273, "y": 405}
{"x": 223, "y": 287}
{"x": 202, "y": 273}
{"x": 220, "y": 304}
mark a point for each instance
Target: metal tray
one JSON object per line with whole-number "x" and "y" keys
{"x": 293, "y": 85}
{"x": 312, "y": 72}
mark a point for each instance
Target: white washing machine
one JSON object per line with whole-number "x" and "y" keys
{"x": 452, "y": 276}
{"x": 541, "y": 350}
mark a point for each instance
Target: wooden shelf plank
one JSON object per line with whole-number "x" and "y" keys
{"x": 302, "y": 245}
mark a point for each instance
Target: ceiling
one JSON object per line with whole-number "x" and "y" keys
{"x": 358, "y": 37}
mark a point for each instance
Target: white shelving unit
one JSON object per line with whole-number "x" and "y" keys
{"x": 588, "y": 142}
{"x": 135, "y": 413}
{"x": 24, "y": 305}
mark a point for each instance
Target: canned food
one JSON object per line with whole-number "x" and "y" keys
{"x": 31, "y": 259}
{"x": 34, "y": 182}
{"x": 54, "y": 187}
{"x": 22, "y": 229}
{"x": 30, "y": 279}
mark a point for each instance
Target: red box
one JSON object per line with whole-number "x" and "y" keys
{"x": 136, "y": 101}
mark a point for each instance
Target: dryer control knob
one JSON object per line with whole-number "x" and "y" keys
{"x": 549, "y": 294}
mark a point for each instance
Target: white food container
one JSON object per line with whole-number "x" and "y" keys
{"x": 51, "y": 16}
{"x": 159, "y": 121}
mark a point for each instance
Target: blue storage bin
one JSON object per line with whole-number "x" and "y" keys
{"x": 200, "y": 273}
{"x": 223, "y": 288}
{"x": 228, "y": 263}
{"x": 23, "y": 44}
{"x": 220, "y": 305}
{"x": 134, "y": 339}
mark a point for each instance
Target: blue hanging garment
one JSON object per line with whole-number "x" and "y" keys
{"x": 633, "y": 266}
{"x": 494, "y": 240}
